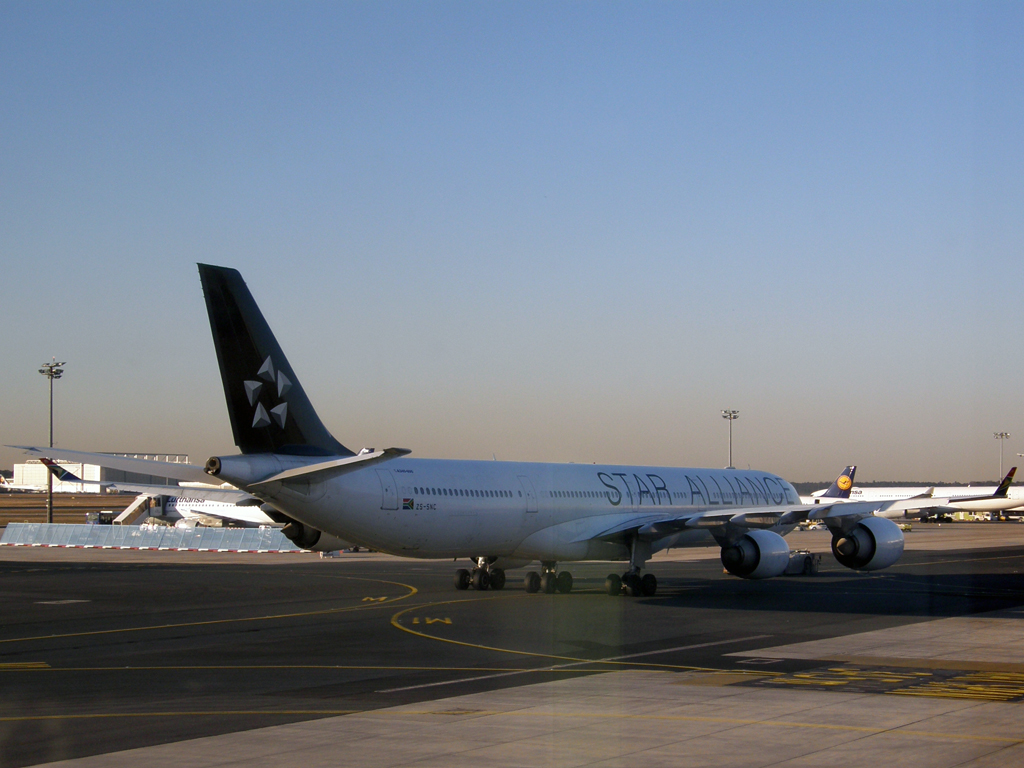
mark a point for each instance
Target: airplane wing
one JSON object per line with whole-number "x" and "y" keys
{"x": 203, "y": 491}
{"x": 727, "y": 522}
{"x": 191, "y": 472}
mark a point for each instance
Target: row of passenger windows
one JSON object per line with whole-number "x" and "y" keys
{"x": 463, "y": 492}
{"x": 498, "y": 494}
{"x": 602, "y": 494}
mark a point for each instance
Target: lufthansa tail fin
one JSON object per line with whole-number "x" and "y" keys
{"x": 268, "y": 408}
{"x": 1004, "y": 486}
{"x": 840, "y": 489}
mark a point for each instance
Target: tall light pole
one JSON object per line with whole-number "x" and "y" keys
{"x": 51, "y": 370}
{"x": 1001, "y": 436}
{"x": 731, "y": 416}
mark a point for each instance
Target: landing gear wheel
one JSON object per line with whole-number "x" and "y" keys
{"x": 547, "y": 584}
{"x": 649, "y": 584}
{"x": 613, "y": 584}
{"x": 631, "y": 581}
{"x": 563, "y": 582}
{"x": 532, "y": 582}
{"x": 497, "y": 578}
{"x": 481, "y": 580}
{"x": 462, "y": 579}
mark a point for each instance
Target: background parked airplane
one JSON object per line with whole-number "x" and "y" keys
{"x": 911, "y": 501}
{"x": 9, "y": 487}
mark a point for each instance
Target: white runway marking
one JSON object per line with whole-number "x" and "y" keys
{"x": 576, "y": 664}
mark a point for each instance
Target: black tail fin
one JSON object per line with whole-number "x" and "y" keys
{"x": 1004, "y": 486}
{"x": 269, "y": 411}
{"x": 840, "y": 489}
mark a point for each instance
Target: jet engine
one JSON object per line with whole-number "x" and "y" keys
{"x": 305, "y": 537}
{"x": 874, "y": 543}
{"x": 758, "y": 554}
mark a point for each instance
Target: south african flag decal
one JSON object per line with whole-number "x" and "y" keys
{"x": 407, "y": 504}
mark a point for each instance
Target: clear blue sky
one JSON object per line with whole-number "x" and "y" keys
{"x": 547, "y": 231}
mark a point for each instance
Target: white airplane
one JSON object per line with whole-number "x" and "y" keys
{"x": 924, "y": 502}
{"x": 8, "y": 487}
{"x": 499, "y": 514}
{"x": 202, "y": 504}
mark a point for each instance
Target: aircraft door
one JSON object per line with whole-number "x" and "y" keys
{"x": 531, "y": 495}
{"x": 389, "y": 493}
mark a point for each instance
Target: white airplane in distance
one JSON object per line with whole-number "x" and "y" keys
{"x": 500, "y": 514}
{"x": 202, "y": 504}
{"x": 8, "y": 487}
{"x": 924, "y": 502}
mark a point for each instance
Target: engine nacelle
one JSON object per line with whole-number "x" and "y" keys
{"x": 875, "y": 543}
{"x": 758, "y": 555}
{"x": 306, "y": 537}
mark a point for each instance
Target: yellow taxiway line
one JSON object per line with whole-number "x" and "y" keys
{"x": 375, "y": 602}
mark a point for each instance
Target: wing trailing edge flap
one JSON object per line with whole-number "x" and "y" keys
{"x": 848, "y": 510}
{"x": 902, "y": 505}
{"x": 325, "y": 470}
{"x": 613, "y": 527}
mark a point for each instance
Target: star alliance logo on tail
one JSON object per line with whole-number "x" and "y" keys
{"x": 279, "y": 413}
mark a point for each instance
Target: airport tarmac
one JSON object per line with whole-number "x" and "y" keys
{"x": 195, "y": 659}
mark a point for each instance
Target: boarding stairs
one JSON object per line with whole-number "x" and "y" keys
{"x": 133, "y": 511}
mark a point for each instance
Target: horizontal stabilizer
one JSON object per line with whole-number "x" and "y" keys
{"x": 203, "y": 491}
{"x": 327, "y": 469}
{"x": 170, "y": 469}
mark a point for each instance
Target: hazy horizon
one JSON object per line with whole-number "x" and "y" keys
{"x": 543, "y": 232}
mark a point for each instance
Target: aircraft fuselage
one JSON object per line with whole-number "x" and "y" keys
{"x": 444, "y": 508}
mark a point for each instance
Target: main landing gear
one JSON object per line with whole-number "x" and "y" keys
{"x": 484, "y": 576}
{"x": 632, "y": 583}
{"x": 548, "y": 582}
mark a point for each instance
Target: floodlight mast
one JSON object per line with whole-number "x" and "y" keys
{"x": 731, "y": 415}
{"x": 1001, "y": 436}
{"x": 51, "y": 370}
